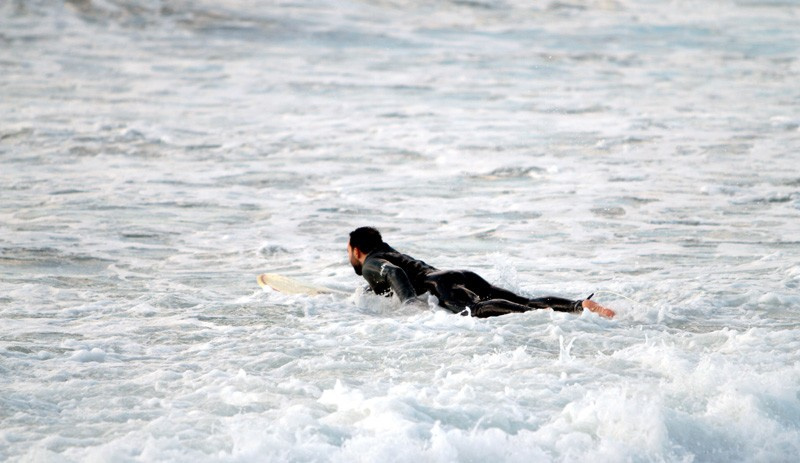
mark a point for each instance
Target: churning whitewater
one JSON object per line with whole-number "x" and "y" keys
{"x": 156, "y": 156}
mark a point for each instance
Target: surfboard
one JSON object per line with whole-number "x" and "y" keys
{"x": 288, "y": 285}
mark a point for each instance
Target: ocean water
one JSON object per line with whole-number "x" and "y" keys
{"x": 155, "y": 156}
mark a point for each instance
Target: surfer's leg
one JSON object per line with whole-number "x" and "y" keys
{"x": 498, "y": 301}
{"x": 488, "y": 291}
{"x": 559, "y": 304}
{"x": 458, "y": 289}
{"x": 448, "y": 287}
{"x": 496, "y": 307}
{"x": 565, "y": 305}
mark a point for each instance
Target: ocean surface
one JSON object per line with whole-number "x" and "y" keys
{"x": 156, "y": 156}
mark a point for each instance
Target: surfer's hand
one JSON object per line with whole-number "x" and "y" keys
{"x": 598, "y": 309}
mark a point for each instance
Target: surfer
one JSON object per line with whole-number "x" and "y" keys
{"x": 388, "y": 271}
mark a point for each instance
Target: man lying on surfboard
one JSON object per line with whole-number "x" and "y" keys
{"x": 388, "y": 271}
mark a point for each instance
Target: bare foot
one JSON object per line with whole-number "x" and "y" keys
{"x": 598, "y": 309}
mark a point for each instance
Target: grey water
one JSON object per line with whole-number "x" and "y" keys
{"x": 156, "y": 156}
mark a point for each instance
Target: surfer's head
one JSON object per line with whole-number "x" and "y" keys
{"x": 363, "y": 241}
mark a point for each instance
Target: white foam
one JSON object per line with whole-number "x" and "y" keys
{"x": 93, "y": 355}
{"x": 155, "y": 158}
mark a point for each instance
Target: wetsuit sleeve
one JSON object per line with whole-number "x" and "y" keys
{"x": 383, "y": 276}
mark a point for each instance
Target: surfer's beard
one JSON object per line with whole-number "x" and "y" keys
{"x": 357, "y": 268}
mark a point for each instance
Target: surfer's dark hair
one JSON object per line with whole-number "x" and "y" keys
{"x": 366, "y": 239}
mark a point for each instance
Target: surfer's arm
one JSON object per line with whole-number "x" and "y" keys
{"x": 382, "y": 276}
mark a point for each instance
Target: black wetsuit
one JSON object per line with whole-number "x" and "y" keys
{"x": 388, "y": 271}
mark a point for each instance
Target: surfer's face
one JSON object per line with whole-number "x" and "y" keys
{"x": 351, "y": 253}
